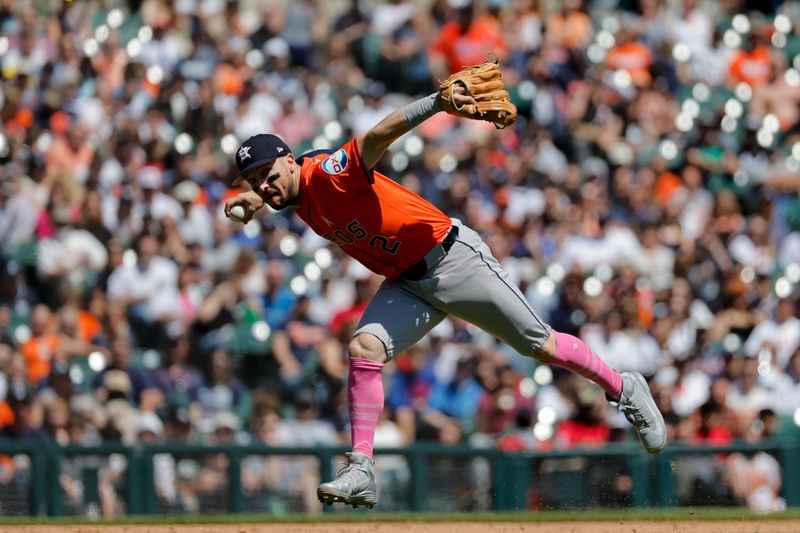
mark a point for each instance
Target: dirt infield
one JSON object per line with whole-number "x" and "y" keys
{"x": 622, "y": 526}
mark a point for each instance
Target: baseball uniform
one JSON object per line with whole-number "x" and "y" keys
{"x": 434, "y": 266}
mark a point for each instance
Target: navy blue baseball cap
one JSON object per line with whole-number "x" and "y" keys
{"x": 258, "y": 150}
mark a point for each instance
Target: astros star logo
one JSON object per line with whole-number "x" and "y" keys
{"x": 244, "y": 153}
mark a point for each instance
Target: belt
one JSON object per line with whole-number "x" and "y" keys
{"x": 432, "y": 258}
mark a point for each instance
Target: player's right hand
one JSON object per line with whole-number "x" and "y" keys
{"x": 251, "y": 202}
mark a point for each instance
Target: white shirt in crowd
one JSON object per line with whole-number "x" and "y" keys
{"x": 197, "y": 226}
{"x": 785, "y": 337}
{"x": 745, "y": 251}
{"x": 692, "y": 391}
{"x": 17, "y": 219}
{"x": 622, "y": 350}
{"x": 70, "y": 250}
{"x": 157, "y": 283}
{"x": 757, "y": 398}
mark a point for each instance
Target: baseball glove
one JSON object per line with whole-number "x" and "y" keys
{"x": 484, "y": 83}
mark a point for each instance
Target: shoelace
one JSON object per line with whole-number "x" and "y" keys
{"x": 633, "y": 414}
{"x": 346, "y": 468}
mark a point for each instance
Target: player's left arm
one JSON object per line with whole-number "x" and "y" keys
{"x": 374, "y": 142}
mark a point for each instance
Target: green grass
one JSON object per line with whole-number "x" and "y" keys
{"x": 681, "y": 513}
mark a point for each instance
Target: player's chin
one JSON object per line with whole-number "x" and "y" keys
{"x": 277, "y": 203}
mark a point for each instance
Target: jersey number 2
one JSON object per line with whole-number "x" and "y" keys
{"x": 357, "y": 232}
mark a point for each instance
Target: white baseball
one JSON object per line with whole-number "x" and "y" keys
{"x": 237, "y": 213}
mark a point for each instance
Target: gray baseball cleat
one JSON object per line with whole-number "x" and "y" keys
{"x": 354, "y": 483}
{"x": 640, "y": 409}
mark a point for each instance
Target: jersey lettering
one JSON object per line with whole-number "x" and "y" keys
{"x": 384, "y": 243}
{"x": 355, "y": 230}
{"x": 356, "y": 233}
{"x": 394, "y": 228}
{"x": 343, "y": 237}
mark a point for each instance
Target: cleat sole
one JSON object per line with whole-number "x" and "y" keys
{"x": 330, "y": 496}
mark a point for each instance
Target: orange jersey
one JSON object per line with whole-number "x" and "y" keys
{"x": 38, "y": 351}
{"x": 753, "y": 68}
{"x": 634, "y": 58}
{"x": 376, "y": 221}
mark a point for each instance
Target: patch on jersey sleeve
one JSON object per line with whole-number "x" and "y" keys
{"x": 336, "y": 162}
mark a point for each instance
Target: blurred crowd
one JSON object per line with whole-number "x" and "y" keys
{"x": 645, "y": 200}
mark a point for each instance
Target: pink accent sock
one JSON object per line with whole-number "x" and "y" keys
{"x": 365, "y": 398}
{"x": 573, "y": 354}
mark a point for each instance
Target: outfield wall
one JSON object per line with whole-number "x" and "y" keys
{"x": 116, "y": 480}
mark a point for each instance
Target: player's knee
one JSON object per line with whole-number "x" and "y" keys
{"x": 367, "y": 346}
{"x": 547, "y": 351}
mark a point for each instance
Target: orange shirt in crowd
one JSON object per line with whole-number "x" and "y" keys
{"x": 88, "y": 326}
{"x": 38, "y": 352}
{"x": 60, "y": 157}
{"x": 635, "y": 58}
{"x": 572, "y": 30}
{"x": 6, "y": 414}
{"x": 7, "y": 465}
{"x": 373, "y": 219}
{"x": 228, "y": 79}
{"x": 753, "y": 68}
{"x": 666, "y": 186}
{"x": 483, "y": 37}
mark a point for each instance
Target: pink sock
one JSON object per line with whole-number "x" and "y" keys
{"x": 573, "y": 354}
{"x": 365, "y": 396}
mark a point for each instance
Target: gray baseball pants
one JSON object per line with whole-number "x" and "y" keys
{"x": 467, "y": 283}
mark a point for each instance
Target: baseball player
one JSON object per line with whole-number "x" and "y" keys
{"x": 434, "y": 266}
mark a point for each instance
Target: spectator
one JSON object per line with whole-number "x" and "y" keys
{"x": 454, "y": 401}
{"x": 178, "y": 379}
{"x": 150, "y": 430}
{"x": 569, "y": 27}
{"x": 147, "y": 287}
{"x": 757, "y": 481}
{"x": 212, "y": 478}
{"x": 465, "y": 40}
{"x": 632, "y": 57}
{"x": 45, "y": 342}
{"x": 393, "y": 469}
{"x": 752, "y": 64}
{"x": 748, "y": 395}
{"x": 26, "y": 416}
{"x": 781, "y": 334}
{"x": 588, "y": 426}
{"x": 502, "y": 401}
{"x": 694, "y": 28}
{"x": 278, "y": 299}
{"x": 70, "y": 153}
{"x": 224, "y": 392}
{"x": 142, "y": 391}
{"x": 296, "y": 476}
{"x": 285, "y": 482}
{"x": 409, "y": 388}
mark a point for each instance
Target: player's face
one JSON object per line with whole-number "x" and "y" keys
{"x": 275, "y": 182}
